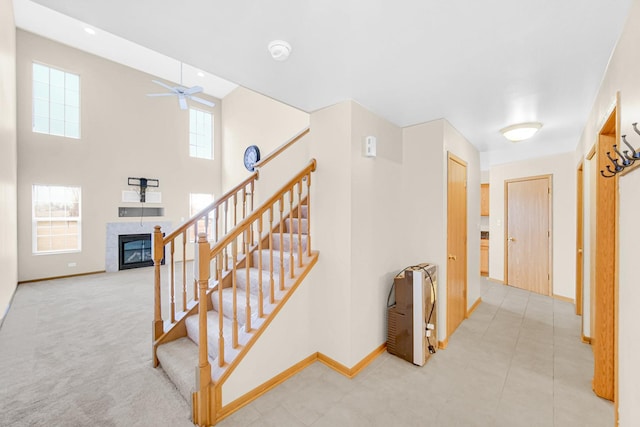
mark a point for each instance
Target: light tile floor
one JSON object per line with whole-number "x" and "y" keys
{"x": 517, "y": 361}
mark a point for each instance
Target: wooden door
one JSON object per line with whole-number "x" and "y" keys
{"x": 456, "y": 243}
{"x": 579, "y": 240}
{"x": 528, "y": 234}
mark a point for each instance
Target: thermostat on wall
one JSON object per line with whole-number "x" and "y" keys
{"x": 370, "y": 146}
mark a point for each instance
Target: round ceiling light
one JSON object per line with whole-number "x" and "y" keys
{"x": 90, "y": 31}
{"x": 521, "y": 131}
{"x": 280, "y": 50}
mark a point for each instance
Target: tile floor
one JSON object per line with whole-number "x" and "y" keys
{"x": 517, "y": 361}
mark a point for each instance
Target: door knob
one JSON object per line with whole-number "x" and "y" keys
{"x": 511, "y": 239}
{"x": 452, "y": 257}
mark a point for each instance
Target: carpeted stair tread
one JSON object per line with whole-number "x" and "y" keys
{"x": 254, "y": 274}
{"x": 286, "y": 241}
{"x": 293, "y": 225}
{"x": 178, "y": 359}
{"x": 276, "y": 259}
{"x": 241, "y": 305}
{"x": 192, "y": 324}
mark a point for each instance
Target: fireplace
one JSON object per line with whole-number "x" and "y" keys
{"x": 135, "y": 250}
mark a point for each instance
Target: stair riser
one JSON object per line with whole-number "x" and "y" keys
{"x": 293, "y": 225}
{"x": 286, "y": 242}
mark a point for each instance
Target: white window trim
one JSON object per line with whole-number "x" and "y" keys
{"x": 34, "y": 226}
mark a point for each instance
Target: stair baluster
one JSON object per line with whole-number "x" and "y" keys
{"x": 260, "y": 292}
{"x": 271, "y": 281}
{"x": 247, "y": 265}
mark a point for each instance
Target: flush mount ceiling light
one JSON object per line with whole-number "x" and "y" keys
{"x": 521, "y": 131}
{"x": 90, "y": 30}
{"x": 280, "y": 50}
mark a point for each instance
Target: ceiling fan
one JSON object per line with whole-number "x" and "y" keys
{"x": 183, "y": 93}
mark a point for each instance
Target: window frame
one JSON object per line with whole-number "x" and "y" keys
{"x": 194, "y": 133}
{"x": 65, "y": 106}
{"x": 191, "y": 235}
{"x": 50, "y": 219}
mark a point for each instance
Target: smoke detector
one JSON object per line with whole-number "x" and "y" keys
{"x": 280, "y": 50}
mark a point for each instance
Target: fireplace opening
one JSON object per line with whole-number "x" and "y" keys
{"x": 135, "y": 251}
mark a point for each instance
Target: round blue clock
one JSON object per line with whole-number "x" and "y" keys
{"x": 251, "y": 157}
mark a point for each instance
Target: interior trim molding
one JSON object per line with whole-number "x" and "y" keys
{"x": 61, "y": 277}
{"x": 586, "y": 340}
{"x": 563, "y": 298}
{"x": 357, "y": 368}
{"x": 442, "y": 345}
{"x": 250, "y": 396}
{"x": 496, "y": 280}
{"x": 246, "y": 398}
{"x": 474, "y": 306}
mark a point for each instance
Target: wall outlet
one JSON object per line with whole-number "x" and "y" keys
{"x": 72, "y": 264}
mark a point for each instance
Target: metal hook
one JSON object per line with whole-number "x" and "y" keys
{"x": 625, "y": 159}
{"x": 635, "y": 154}
{"x": 635, "y": 127}
{"x": 606, "y": 176}
{"x": 615, "y": 163}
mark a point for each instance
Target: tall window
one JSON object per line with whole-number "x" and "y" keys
{"x": 200, "y": 134}
{"x": 56, "y": 102}
{"x": 56, "y": 219}
{"x": 197, "y": 202}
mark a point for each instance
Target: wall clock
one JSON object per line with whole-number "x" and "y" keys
{"x": 251, "y": 157}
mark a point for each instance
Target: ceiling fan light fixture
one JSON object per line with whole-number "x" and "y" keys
{"x": 521, "y": 131}
{"x": 280, "y": 50}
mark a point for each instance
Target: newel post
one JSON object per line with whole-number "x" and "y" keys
{"x": 203, "y": 412}
{"x": 157, "y": 326}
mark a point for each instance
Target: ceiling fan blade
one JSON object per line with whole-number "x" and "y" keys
{"x": 161, "y": 94}
{"x": 182, "y": 101}
{"x": 193, "y": 90}
{"x": 164, "y": 85}
{"x": 203, "y": 101}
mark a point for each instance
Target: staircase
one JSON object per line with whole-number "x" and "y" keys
{"x": 240, "y": 284}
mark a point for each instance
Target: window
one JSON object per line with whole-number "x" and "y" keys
{"x": 197, "y": 202}
{"x": 200, "y": 134}
{"x": 56, "y": 102}
{"x": 56, "y": 219}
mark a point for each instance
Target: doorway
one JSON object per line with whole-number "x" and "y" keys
{"x": 528, "y": 234}
{"x": 604, "y": 335}
{"x": 456, "y": 242}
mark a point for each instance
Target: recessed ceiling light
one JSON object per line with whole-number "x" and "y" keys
{"x": 200, "y": 74}
{"x": 521, "y": 131}
{"x": 280, "y": 50}
{"x": 90, "y": 30}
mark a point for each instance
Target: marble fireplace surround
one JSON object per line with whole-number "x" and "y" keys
{"x": 114, "y": 229}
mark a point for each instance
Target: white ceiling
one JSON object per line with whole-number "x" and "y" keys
{"x": 482, "y": 65}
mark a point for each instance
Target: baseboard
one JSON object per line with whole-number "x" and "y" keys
{"x": 243, "y": 400}
{"x": 474, "y": 306}
{"x": 6, "y": 311}
{"x": 565, "y": 299}
{"x": 586, "y": 340}
{"x": 355, "y": 370}
{"x": 501, "y": 282}
{"x": 61, "y": 277}
{"x": 249, "y": 397}
{"x": 442, "y": 345}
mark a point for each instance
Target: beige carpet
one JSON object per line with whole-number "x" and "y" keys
{"x": 77, "y": 352}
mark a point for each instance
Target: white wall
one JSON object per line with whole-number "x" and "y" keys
{"x": 563, "y": 183}
{"x": 621, "y": 75}
{"x": 424, "y": 205}
{"x": 124, "y": 134}
{"x": 8, "y": 161}
{"x": 253, "y": 119}
{"x": 376, "y": 228}
{"x": 331, "y": 230}
{"x": 287, "y": 341}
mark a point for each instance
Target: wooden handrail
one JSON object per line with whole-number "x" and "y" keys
{"x": 213, "y": 205}
{"x": 280, "y": 149}
{"x": 259, "y": 211}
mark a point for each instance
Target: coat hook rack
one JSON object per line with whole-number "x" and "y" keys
{"x": 624, "y": 159}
